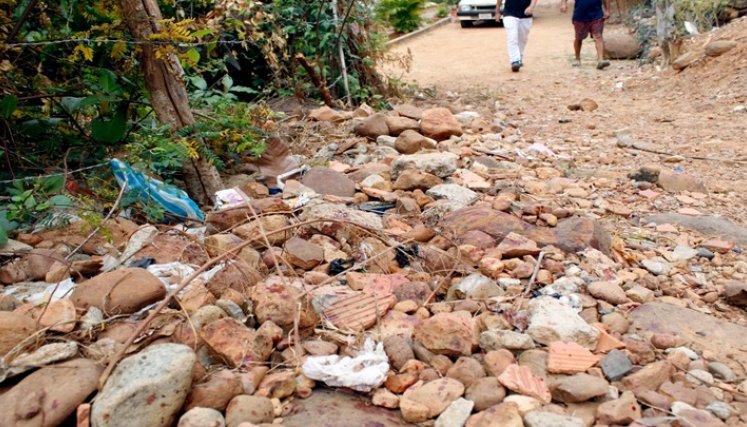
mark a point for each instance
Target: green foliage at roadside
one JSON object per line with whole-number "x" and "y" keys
{"x": 402, "y": 15}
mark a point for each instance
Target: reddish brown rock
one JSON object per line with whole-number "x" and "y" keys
{"x": 303, "y": 254}
{"x": 578, "y": 388}
{"x": 515, "y": 245}
{"x": 650, "y": 377}
{"x": 47, "y": 397}
{"x": 466, "y": 370}
{"x": 447, "y": 333}
{"x": 235, "y": 343}
{"x": 328, "y": 181}
{"x": 229, "y": 218}
{"x": 278, "y": 302}
{"x": 14, "y": 328}
{"x": 622, "y": 411}
{"x": 216, "y": 392}
{"x": 411, "y": 179}
{"x": 272, "y": 225}
{"x": 501, "y": 415}
{"x": 494, "y": 223}
{"x": 485, "y": 392}
{"x": 249, "y": 409}
{"x": 277, "y": 385}
{"x": 122, "y": 291}
{"x": 429, "y": 400}
{"x": 59, "y": 316}
{"x": 399, "y": 124}
{"x": 440, "y": 124}
{"x": 372, "y": 126}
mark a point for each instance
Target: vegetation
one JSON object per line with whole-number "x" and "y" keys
{"x": 402, "y": 15}
{"x": 73, "y": 92}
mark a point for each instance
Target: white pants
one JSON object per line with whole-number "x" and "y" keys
{"x": 517, "y": 32}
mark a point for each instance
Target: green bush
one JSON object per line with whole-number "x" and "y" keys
{"x": 402, "y": 15}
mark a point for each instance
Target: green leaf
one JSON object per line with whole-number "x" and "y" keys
{"x": 61, "y": 201}
{"x": 8, "y": 106}
{"x": 243, "y": 89}
{"x": 52, "y": 184}
{"x": 30, "y": 203}
{"x": 199, "y": 82}
{"x": 193, "y": 55}
{"x": 71, "y": 103}
{"x": 3, "y": 236}
{"x": 202, "y": 33}
{"x": 227, "y": 82}
{"x": 108, "y": 83}
{"x": 109, "y": 130}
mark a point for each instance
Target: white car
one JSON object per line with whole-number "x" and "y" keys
{"x": 471, "y": 11}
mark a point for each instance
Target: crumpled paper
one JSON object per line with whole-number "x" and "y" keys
{"x": 364, "y": 372}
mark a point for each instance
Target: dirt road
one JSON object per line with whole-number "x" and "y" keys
{"x": 685, "y": 114}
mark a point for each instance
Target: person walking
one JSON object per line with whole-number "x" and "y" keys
{"x": 517, "y": 21}
{"x": 588, "y": 18}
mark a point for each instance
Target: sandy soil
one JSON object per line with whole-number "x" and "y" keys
{"x": 689, "y": 113}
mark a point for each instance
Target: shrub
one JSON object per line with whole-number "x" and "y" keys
{"x": 402, "y": 15}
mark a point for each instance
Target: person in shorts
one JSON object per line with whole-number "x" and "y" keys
{"x": 588, "y": 18}
{"x": 517, "y": 21}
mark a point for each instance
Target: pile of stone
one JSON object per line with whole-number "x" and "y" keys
{"x": 505, "y": 292}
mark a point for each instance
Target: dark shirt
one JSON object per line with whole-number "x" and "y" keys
{"x": 587, "y": 10}
{"x": 516, "y": 8}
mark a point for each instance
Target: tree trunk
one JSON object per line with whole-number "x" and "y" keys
{"x": 163, "y": 78}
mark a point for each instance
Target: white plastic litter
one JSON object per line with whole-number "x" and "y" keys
{"x": 172, "y": 274}
{"x": 364, "y": 372}
{"x": 33, "y": 294}
{"x": 542, "y": 149}
{"x": 229, "y": 197}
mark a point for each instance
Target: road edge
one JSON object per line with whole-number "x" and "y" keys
{"x": 419, "y": 32}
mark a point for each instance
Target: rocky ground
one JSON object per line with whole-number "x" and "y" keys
{"x": 437, "y": 264}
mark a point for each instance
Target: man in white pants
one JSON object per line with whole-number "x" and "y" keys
{"x": 517, "y": 21}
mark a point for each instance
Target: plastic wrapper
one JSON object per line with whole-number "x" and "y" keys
{"x": 364, "y": 372}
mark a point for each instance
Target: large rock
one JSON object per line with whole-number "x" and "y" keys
{"x": 249, "y": 409}
{"x": 714, "y": 48}
{"x": 621, "y": 45}
{"x": 216, "y": 392}
{"x": 502, "y": 415}
{"x": 490, "y": 221}
{"x": 709, "y": 225}
{"x": 236, "y": 344}
{"x": 456, "y": 414}
{"x": 434, "y": 397}
{"x": 14, "y": 328}
{"x": 462, "y": 196}
{"x": 399, "y": 124}
{"x": 326, "y": 114}
{"x": 451, "y": 334}
{"x": 650, "y": 377}
{"x": 272, "y": 225}
{"x": 372, "y": 126}
{"x": 551, "y": 419}
{"x": 229, "y": 218}
{"x": 439, "y": 164}
{"x": 303, "y": 254}
{"x": 686, "y": 59}
{"x": 328, "y": 181}
{"x": 410, "y": 142}
{"x": 202, "y": 417}
{"x": 337, "y": 408}
{"x": 146, "y": 389}
{"x": 331, "y": 211}
{"x": 122, "y": 291}
{"x": 700, "y": 330}
{"x": 511, "y": 340}
{"x": 440, "y": 124}
{"x": 551, "y": 320}
{"x": 578, "y": 233}
{"x": 622, "y": 411}
{"x": 278, "y": 302}
{"x": 50, "y": 395}
{"x": 678, "y": 182}
{"x": 414, "y": 179}
{"x": 578, "y": 388}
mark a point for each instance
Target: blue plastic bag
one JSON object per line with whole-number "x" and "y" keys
{"x": 172, "y": 199}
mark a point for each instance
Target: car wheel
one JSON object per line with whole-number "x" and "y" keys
{"x": 465, "y": 24}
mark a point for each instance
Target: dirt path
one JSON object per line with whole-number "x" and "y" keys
{"x": 680, "y": 115}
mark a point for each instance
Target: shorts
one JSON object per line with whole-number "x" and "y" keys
{"x": 583, "y": 29}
